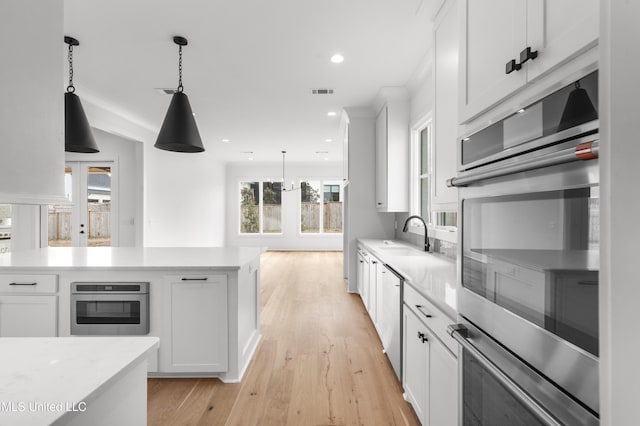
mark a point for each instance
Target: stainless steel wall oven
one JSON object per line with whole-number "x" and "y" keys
{"x": 108, "y": 308}
{"x": 529, "y": 262}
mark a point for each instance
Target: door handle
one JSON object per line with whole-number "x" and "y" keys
{"x": 423, "y": 312}
{"x": 527, "y": 54}
{"x": 195, "y": 279}
{"x": 82, "y": 232}
{"x": 512, "y": 66}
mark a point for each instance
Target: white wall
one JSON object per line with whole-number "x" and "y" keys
{"x": 291, "y": 238}
{"x": 128, "y": 156}
{"x": 620, "y": 204}
{"x": 31, "y": 105}
{"x": 185, "y": 198}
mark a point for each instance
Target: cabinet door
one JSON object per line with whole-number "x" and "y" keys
{"x": 381, "y": 159}
{"x": 198, "y": 330}
{"x": 416, "y": 361}
{"x": 443, "y": 385}
{"x": 493, "y": 32}
{"x": 28, "y": 316}
{"x": 446, "y": 108}
{"x": 389, "y": 315}
{"x": 559, "y": 30}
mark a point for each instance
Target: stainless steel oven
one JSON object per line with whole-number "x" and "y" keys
{"x": 109, "y": 308}
{"x": 529, "y": 262}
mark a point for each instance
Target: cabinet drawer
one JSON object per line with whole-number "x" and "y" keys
{"x": 28, "y": 283}
{"x": 433, "y": 317}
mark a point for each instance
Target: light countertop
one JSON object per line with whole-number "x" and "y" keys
{"x": 42, "y": 379}
{"x": 432, "y": 275}
{"x": 130, "y": 257}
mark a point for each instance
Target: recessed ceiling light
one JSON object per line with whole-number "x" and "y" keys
{"x": 326, "y": 158}
{"x": 225, "y": 140}
{"x": 331, "y": 113}
{"x": 337, "y": 58}
{"x": 328, "y": 140}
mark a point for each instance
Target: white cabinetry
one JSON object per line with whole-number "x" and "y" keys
{"x": 495, "y": 33}
{"x": 363, "y": 277}
{"x": 392, "y": 152}
{"x": 430, "y": 374}
{"x": 446, "y": 108}
{"x": 388, "y": 314}
{"x": 28, "y": 305}
{"x": 196, "y": 331}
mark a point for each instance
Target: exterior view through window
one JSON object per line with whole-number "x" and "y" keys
{"x": 260, "y": 207}
{"x": 320, "y": 207}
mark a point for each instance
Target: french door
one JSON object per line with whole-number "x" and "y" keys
{"x": 89, "y": 219}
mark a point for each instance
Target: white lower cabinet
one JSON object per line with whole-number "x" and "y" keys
{"x": 430, "y": 373}
{"x": 196, "y": 332}
{"x": 28, "y": 316}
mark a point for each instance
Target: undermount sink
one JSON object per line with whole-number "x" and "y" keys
{"x": 400, "y": 250}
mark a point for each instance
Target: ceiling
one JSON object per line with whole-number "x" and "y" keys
{"x": 249, "y": 66}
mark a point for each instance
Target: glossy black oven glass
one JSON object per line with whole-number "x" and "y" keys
{"x": 486, "y": 402}
{"x": 536, "y": 254}
{"x": 107, "y": 312}
{"x": 573, "y": 105}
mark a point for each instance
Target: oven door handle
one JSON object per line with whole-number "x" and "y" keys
{"x": 460, "y": 333}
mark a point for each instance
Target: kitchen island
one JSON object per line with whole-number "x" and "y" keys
{"x": 203, "y": 303}
{"x": 74, "y": 381}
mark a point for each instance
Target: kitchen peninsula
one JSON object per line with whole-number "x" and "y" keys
{"x": 203, "y": 303}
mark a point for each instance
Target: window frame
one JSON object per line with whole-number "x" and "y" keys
{"x": 415, "y": 202}
{"x": 322, "y": 181}
{"x": 260, "y": 205}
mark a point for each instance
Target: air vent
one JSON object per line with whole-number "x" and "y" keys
{"x": 322, "y": 91}
{"x": 164, "y": 91}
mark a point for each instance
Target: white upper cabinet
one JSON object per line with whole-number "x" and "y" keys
{"x": 496, "y": 36}
{"x": 446, "y": 108}
{"x": 31, "y": 105}
{"x": 392, "y": 151}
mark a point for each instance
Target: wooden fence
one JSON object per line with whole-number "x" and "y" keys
{"x": 309, "y": 216}
{"x": 59, "y": 221}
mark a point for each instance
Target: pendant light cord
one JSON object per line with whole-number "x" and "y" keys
{"x": 180, "y": 86}
{"x": 70, "y": 87}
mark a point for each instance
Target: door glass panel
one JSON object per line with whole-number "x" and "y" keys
{"x": 5, "y": 228}
{"x": 98, "y": 224}
{"x": 536, "y": 255}
{"x": 59, "y": 216}
{"x": 108, "y": 312}
{"x": 249, "y": 207}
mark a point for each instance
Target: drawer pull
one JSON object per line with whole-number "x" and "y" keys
{"x": 23, "y": 283}
{"x": 194, "y": 279}
{"x": 422, "y": 337}
{"x": 421, "y": 309}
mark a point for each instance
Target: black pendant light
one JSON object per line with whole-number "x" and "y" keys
{"x": 77, "y": 133}
{"x": 578, "y": 109}
{"x": 179, "y": 132}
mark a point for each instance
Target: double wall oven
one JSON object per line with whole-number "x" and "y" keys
{"x": 529, "y": 262}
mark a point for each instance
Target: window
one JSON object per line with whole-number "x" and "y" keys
{"x": 260, "y": 207}
{"x": 423, "y": 167}
{"x": 318, "y": 215}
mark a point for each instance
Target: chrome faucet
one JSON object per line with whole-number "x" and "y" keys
{"x": 426, "y": 237}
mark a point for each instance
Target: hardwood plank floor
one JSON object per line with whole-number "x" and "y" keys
{"x": 320, "y": 361}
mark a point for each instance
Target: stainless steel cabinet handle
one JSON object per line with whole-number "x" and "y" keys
{"x": 195, "y": 279}
{"x": 423, "y": 312}
{"x": 460, "y": 333}
{"x": 23, "y": 283}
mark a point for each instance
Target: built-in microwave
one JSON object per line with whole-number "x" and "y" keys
{"x": 529, "y": 261}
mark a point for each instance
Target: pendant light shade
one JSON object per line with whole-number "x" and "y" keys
{"x": 179, "y": 132}
{"x": 77, "y": 132}
{"x": 578, "y": 109}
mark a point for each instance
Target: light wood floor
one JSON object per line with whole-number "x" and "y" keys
{"x": 320, "y": 361}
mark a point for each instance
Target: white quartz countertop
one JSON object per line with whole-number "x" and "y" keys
{"x": 130, "y": 257}
{"x": 432, "y": 275}
{"x": 42, "y": 379}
